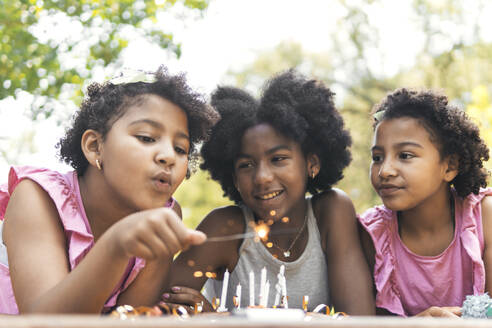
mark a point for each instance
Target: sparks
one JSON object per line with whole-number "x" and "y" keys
{"x": 262, "y": 231}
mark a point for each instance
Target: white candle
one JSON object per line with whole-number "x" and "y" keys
{"x": 223, "y": 297}
{"x": 284, "y": 292}
{"x": 278, "y": 290}
{"x": 264, "y": 298}
{"x": 238, "y": 295}
{"x": 251, "y": 288}
{"x": 278, "y": 285}
{"x": 262, "y": 284}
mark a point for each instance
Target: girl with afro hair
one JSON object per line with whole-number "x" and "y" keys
{"x": 267, "y": 155}
{"x": 86, "y": 240}
{"x": 430, "y": 244}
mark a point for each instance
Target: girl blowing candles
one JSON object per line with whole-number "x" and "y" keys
{"x": 429, "y": 245}
{"x": 267, "y": 155}
{"x": 75, "y": 242}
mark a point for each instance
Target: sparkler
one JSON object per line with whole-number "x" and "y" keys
{"x": 262, "y": 231}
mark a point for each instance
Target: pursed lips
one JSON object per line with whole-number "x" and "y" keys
{"x": 162, "y": 181}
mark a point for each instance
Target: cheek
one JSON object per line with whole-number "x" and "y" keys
{"x": 373, "y": 174}
{"x": 242, "y": 183}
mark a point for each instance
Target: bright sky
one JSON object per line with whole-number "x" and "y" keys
{"x": 229, "y": 35}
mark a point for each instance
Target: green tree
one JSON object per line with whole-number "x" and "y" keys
{"x": 34, "y": 59}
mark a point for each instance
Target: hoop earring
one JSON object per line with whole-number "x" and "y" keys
{"x": 98, "y": 164}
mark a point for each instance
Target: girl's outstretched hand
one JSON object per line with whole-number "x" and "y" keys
{"x": 152, "y": 234}
{"x": 444, "y": 311}
{"x": 188, "y": 298}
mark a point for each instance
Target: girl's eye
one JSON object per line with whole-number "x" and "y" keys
{"x": 406, "y": 156}
{"x": 278, "y": 158}
{"x": 145, "y": 139}
{"x": 181, "y": 151}
{"x": 376, "y": 158}
{"x": 244, "y": 165}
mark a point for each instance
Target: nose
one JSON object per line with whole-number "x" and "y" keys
{"x": 263, "y": 174}
{"x": 387, "y": 169}
{"x": 165, "y": 153}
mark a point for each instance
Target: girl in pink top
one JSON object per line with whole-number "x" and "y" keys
{"x": 430, "y": 244}
{"x": 74, "y": 243}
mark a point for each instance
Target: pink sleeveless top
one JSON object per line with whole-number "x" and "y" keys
{"x": 408, "y": 283}
{"x": 64, "y": 191}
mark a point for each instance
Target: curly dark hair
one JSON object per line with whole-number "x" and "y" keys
{"x": 450, "y": 129}
{"x": 107, "y": 102}
{"x": 301, "y": 109}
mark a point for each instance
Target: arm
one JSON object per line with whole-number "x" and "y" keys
{"x": 145, "y": 289}
{"x": 348, "y": 273}
{"x": 212, "y": 257}
{"x": 487, "y": 236}
{"x": 39, "y": 267}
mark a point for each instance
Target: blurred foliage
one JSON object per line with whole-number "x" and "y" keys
{"x": 34, "y": 52}
{"x": 198, "y": 196}
{"x": 452, "y": 57}
{"x": 462, "y": 71}
{"x": 480, "y": 110}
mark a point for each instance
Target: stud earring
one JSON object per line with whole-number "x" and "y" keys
{"x": 98, "y": 164}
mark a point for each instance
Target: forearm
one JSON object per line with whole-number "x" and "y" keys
{"x": 148, "y": 286}
{"x": 86, "y": 288}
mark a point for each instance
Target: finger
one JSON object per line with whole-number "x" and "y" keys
{"x": 167, "y": 236}
{"x": 189, "y": 299}
{"x": 186, "y": 290}
{"x": 139, "y": 249}
{"x": 156, "y": 246}
{"x": 196, "y": 237}
{"x": 453, "y": 309}
{"x": 441, "y": 312}
{"x": 185, "y": 236}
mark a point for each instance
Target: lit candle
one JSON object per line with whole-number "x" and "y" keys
{"x": 262, "y": 284}
{"x": 305, "y": 301}
{"x": 251, "y": 288}
{"x": 238, "y": 295}
{"x": 223, "y": 297}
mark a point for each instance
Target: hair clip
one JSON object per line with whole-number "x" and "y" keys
{"x": 133, "y": 76}
{"x": 378, "y": 116}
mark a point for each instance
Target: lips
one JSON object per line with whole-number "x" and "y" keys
{"x": 269, "y": 195}
{"x": 388, "y": 190}
{"x": 162, "y": 181}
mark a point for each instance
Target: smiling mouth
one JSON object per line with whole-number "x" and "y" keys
{"x": 269, "y": 195}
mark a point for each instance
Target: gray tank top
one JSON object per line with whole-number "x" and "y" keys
{"x": 306, "y": 276}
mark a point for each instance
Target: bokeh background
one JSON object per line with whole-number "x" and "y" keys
{"x": 50, "y": 50}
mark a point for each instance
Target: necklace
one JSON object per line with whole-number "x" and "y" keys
{"x": 286, "y": 252}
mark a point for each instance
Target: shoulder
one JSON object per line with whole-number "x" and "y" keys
{"x": 222, "y": 221}
{"x": 41, "y": 214}
{"x": 486, "y": 204}
{"x": 331, "y": 204}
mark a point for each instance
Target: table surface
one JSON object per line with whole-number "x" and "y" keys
{"x": 221, "y": 321}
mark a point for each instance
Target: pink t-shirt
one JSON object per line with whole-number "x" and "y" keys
{"x": 408, "y": 283}
{"x": 65, "y": 193}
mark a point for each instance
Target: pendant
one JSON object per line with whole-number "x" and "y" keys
{"x": 286, "y": 253}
